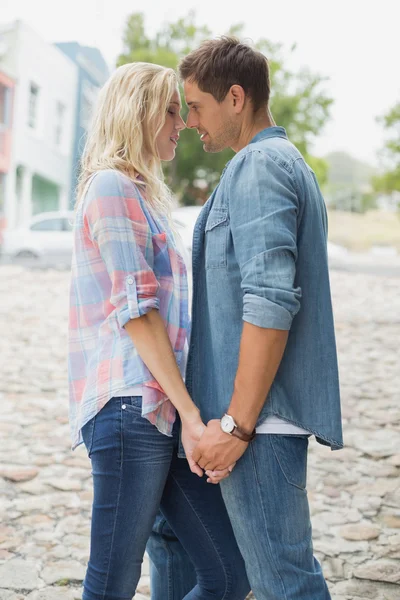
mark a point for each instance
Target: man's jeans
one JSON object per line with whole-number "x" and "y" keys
{"x": 267, "y": 503}
{"x": 136, "y": 471}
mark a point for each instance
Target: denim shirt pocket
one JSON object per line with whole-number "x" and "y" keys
{"x": 216, "y": 237}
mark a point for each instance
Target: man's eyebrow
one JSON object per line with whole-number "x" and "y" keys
{"x": 192, "y": 102}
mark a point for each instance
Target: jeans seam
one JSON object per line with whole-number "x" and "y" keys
{"x": 117, "y": 507}
{"x": 265, "y": 520}
{"x": 228, "y": 582}
{"x": 169, "y": 569}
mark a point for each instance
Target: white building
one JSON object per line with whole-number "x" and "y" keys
{"x": 45, "y": 79}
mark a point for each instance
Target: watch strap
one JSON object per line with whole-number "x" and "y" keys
{"x": 242, "y": 435}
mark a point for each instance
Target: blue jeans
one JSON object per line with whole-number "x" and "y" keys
{"x": 267, "y": 503}
{"x": 136, "y": 472}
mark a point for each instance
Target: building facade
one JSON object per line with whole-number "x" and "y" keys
{"x": 92, "y": 74}
{"x": 44, "y": 112}
{"x": 6, "y": 117}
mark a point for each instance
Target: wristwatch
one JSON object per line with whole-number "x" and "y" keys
{"x": 228, "y": 425}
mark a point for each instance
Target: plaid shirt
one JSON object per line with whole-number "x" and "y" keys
{"x": 125, "y": 262}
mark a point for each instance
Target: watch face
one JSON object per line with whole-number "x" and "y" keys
{"x": 227, "y": 424}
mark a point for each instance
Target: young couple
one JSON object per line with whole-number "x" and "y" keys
{"x": 244, "y": 387}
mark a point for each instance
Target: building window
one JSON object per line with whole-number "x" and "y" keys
{"x": 45, "y": 195}
{"x": 4, "y": 115}
{"x": 33, "y": 105}
{"x": 4, "y": 104}
{"x": 59, "y": 128}
{"x": 2, "y": 194}
{"x": 88, "y": 98}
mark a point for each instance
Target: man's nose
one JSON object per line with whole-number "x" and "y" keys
{"x": 191, "y": 121}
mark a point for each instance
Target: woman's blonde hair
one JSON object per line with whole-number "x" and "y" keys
{"x": 129, "y": 114}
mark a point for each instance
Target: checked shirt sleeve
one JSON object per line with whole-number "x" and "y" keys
{"x": 118, "y": 227}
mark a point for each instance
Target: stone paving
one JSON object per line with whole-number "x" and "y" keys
{"x": 46, "y": 490}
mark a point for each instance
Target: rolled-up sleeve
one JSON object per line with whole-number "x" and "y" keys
{"x": 263, "y": 209}
{"x": 118, "y": 227}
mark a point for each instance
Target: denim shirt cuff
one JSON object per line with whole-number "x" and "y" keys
{"x": 261, "y": 312}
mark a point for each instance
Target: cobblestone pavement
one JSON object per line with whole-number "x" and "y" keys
{"x": 46, "y": 490}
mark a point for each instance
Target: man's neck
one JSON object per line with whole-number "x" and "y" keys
{"x": 260, "y": 121}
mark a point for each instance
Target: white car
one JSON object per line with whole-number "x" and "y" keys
{"x": 185, "y": 218}
{"x": 47, "y": 235}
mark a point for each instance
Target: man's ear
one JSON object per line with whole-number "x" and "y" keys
{"x": 238, "y": 97}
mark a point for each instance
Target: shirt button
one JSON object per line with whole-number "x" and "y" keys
{"x": 123, "y": 406}
{"x": 129, "y": 280}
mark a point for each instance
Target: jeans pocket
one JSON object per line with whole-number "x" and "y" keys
{"x": 134, "y": 402}
{"x": 291, "y": 454}
{"x": 88, "y": 434}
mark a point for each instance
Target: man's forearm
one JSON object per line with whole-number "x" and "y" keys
{"x": 261, "y": 352}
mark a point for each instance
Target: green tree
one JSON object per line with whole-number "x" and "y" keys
{"x": 297, "y": 101}
{"x": 390, "y": 181}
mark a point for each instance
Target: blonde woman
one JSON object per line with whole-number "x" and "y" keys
{"x": 128, "y": 334}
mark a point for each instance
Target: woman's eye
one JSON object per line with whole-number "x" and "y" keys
{"x": 171, "y": 112}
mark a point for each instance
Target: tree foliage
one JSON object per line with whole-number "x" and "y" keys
{"x": 390, "y": 181}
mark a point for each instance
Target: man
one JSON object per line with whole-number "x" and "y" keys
{"x": 262, "y": 363}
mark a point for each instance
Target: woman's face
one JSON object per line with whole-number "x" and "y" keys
{"x": 167, "y": 139}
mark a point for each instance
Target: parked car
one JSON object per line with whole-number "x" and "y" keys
{"x": 47, "y": 235}
{"x": 185, "y": 218}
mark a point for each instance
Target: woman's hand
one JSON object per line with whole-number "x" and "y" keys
{"x": 191, "y": 434}
{"x": 217, "y": 476}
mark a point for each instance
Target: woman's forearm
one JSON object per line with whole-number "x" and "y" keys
{"x": 150, "y": 337}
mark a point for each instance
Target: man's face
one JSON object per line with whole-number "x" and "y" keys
{"x": 215, "y": 122}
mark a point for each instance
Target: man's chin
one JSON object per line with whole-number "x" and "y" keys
{"x": 210, "y": 148}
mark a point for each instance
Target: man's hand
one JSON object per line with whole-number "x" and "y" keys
{"x": 217, "y": 450}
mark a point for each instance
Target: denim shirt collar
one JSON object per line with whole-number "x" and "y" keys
{"x": 270, "y": 132}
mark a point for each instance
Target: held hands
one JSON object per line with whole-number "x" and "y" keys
{"x": 217, "y": 476}
{"x": 217, "y": 452}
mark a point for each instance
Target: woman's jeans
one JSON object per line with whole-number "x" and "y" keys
{"x": 136, "y": 472}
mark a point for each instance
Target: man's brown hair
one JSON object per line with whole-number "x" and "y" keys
{"x": 218, "y": 64}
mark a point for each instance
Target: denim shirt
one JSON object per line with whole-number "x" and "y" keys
{"x": 260, "y": 256}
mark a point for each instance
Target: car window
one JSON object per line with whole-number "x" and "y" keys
{"x": 67, "y": 224}
{"x": 178, "y": 223}
{"x": 48, "y": 225}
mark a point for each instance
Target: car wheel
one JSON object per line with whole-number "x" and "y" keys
{"x": 26, "y": 254}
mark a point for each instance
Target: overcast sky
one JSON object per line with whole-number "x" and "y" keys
{"x": 356, "y": 43}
